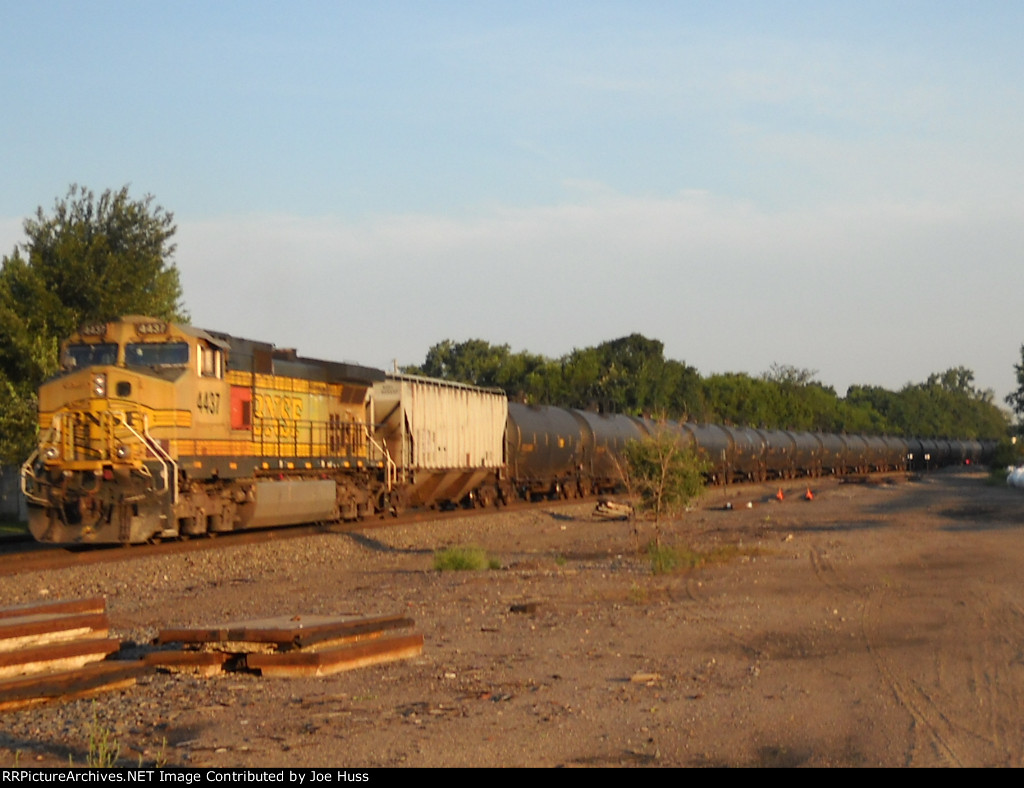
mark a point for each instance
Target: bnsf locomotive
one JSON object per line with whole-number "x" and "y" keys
{"x": 156, "y": 430}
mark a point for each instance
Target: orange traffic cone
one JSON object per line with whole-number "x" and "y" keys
{"x": 809, "y": 496}
{"x": 779, "y": 495}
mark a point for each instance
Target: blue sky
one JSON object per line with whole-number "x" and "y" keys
{"x": 834, "y": 186}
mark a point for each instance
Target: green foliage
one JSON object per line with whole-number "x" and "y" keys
{"x": 662, "y": 473}
{"x": 18, "y": 418}
{"x": 100, "y": 257}
{"x": 631, "y": 375}
{"x": 103, "y": 746}
{"x": 91, "y": 258}
{"x": 1007, "y": 453}
{"x": 946, "y": 405}
{"x": 627, "y": 375}
{"x": 666, "y": 559}
{"x": 1015, "y": 399}
{"x": 459, "y": 559}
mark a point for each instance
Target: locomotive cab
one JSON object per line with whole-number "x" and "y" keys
{"x": 105, "y": 467}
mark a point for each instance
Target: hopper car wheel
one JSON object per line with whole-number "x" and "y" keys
{"x": 485, "y": 498}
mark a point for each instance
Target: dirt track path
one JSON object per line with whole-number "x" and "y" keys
{"x": 879, "y": 625}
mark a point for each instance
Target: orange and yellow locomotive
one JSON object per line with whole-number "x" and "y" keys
{"x": 156, "y": 430}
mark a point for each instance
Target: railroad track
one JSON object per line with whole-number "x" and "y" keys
{"x": 19, "y": 556}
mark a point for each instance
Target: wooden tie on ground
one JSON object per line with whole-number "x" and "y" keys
{"x": 57, "y": 650}
{"x": 296, "y": 646}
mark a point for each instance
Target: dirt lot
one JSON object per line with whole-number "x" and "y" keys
{"x": 881, "y": 624}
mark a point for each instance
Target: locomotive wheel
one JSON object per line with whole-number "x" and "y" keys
{"x": 398, "y": 502}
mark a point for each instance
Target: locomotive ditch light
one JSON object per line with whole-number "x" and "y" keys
{"x": 99, "y": 385}
{"x": 51, "y": 453}
{"x": 122, "y": 452}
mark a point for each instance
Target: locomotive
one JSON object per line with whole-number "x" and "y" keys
{"x": 156, "y": 430}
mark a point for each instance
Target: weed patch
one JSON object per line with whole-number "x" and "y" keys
{"x": 461, "y": 559}
{"x": 103, "y": 746}
{"x": 666, "y": 559}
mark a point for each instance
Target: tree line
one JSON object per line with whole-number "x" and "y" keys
{"x": 95, "y": 257}
{"x": 631, "y": 375}
{"x": 90, "y": 258}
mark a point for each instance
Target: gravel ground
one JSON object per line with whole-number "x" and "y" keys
{"x": 879, "y": 625}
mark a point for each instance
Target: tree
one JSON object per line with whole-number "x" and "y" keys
{"x": 788, "y": 374}
{"x": 1015, "y": 399}
{"x": 90, "y": 259}
{"x": 662, "y": 473}
{"x": 106, "y": 256}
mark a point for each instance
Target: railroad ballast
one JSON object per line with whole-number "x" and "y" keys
{"x": 156, "y": 430}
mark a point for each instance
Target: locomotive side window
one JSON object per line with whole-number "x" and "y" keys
{"x": 211, "y": 363}
{"x": 90, "y": 355}
{"x": 156, "y": 354}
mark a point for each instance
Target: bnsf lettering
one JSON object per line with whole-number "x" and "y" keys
{"x": 209, "y": 402}
{"x": 276, "y": 416}
{"x": 270, "y": 406}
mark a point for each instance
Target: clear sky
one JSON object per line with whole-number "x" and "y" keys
{"x": 831, "y": 185}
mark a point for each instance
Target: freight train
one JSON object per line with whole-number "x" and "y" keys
{"x": 155, "y": 430}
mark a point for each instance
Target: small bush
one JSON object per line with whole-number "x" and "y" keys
{"x": 1005, "y": 455}
{"x": 103, "y": 746}
{"x": 457, "y": 559}
{"x": 637, "y": 594}
{"x": 665, "y": 559}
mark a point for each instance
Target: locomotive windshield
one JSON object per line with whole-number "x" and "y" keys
{"x": 90, "y": 355}
{"x": 156, "y": 354}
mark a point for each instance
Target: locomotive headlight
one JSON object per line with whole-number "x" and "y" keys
{"x": 122, "y": 452}
{"x": 99, "y": 385}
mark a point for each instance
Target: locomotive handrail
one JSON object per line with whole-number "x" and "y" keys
{"x": 321, "y": 440}
{"x": 162, "y": 456}
{"x": 53, "y": 435}
{"x": 391, "y": 474}
{"x": 26, "y": 473}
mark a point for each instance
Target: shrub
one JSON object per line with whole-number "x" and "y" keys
{"x": 458, "y": 559}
